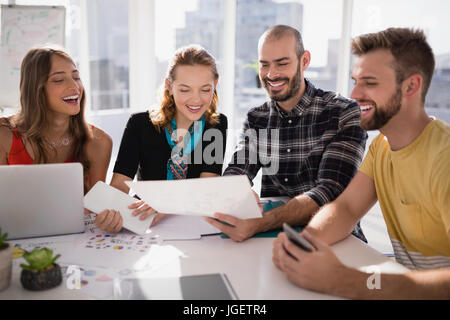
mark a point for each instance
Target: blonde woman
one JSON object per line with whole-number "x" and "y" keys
{"x": 175, "y": 141}
{"x": 50, "y": 127}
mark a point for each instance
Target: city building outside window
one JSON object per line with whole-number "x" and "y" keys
{"x": 432, "y": 17}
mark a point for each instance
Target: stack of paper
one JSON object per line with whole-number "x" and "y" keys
{"x": 185, "y": 202}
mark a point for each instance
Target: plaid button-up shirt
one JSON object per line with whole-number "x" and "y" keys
{"x": 315, "y": 149}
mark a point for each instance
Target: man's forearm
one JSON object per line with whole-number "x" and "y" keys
{"x": 332, "y": 223}
{"x": 297, "y": 211}
{"x": 431, "y": 284}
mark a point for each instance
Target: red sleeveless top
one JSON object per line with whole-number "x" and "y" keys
{"x": 18, "y": 154}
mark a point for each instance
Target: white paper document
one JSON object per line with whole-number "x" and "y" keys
{"x": 200, "y": 197}
{"x": 103, "y": 196}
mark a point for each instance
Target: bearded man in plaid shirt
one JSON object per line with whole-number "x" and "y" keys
{"x": 308, "y": 142}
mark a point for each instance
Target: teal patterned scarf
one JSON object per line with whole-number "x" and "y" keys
{"x": 177, "y": 163}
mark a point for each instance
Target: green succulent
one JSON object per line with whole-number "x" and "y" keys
{"x": 39, "y": 259}
{"x": 3, "y": 238}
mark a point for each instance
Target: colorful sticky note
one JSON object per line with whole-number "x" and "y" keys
{"x": 17, "y": 252}
{"x": 103, "y": 278}
{"x": 90, "y": 273}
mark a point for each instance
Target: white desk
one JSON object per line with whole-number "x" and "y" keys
{"x": 248, "y": 266}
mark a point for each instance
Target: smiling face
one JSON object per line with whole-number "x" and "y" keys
{"x": 63, "y": 89}
{"x": 193, "y": 91}
{"x": 280, "y": 70}
{"x": 376, "y": 89}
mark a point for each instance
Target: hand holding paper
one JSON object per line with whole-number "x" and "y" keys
{"x": 142, "y": 210}
{"x": 103, "y": 196}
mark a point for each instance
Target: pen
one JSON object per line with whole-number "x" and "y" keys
{"x": 223, "y": 222}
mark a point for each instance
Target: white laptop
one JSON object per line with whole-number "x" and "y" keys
{"x": 41, "y": 200}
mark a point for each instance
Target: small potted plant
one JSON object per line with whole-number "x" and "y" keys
{"x": 42, "y": 272}
{"x": 5, "y": 261}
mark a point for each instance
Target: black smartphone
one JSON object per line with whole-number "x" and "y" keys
{"x": 298, "y": 239}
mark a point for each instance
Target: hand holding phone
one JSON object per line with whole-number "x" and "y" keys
{"x": 298, "y": 239}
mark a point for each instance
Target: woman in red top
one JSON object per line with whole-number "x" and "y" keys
{"x": 50, "y": 127}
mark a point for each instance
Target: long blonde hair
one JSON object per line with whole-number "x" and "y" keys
{"x": 32, "y": 117}
{"x": 187, "y": 56}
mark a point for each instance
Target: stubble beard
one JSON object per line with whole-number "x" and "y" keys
{"x": 294, "y": 87}
{"x": 381, "y": 116}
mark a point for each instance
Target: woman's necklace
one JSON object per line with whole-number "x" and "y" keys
{"x": 61, "y": 142}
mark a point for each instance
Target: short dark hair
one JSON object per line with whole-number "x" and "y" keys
{"x": 411, "y": 51}
{"x": 279, "y": 31}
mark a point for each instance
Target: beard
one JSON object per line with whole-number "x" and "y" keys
{"x": 294, "y": 85}
{"x": 382, "y": 115}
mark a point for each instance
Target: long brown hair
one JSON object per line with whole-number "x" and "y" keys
{"x": 188, "y": 56}
{"x": 32, "y": 117}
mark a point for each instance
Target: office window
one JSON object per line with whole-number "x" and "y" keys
{"x": 320, "y": 25}
{"x": 108, "y": 53}
{"x": 433, "y": 17}
{"x": 108, "y": 47}
{"x": 24, "y": 33}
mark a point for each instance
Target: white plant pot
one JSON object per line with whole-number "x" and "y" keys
{"x": 5, "y": 267}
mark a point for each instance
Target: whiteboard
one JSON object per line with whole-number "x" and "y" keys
{"x": 24, "y": 27}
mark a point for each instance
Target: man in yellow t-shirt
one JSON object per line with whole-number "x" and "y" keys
{"x": 407, "y": 169}
{"x": 412, "y": 186}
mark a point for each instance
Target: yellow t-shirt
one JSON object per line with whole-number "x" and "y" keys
{"x": 413, "y": 189}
